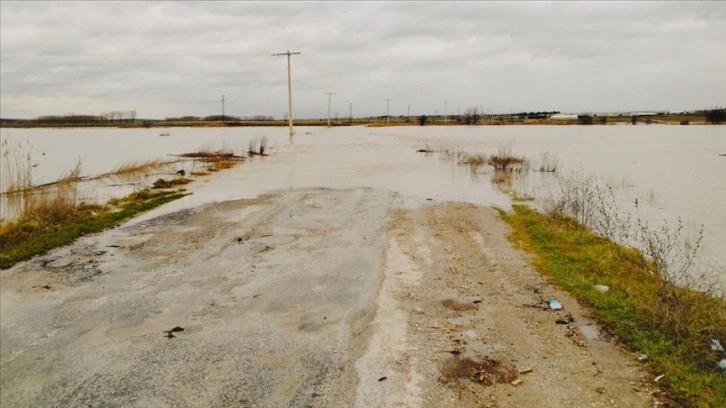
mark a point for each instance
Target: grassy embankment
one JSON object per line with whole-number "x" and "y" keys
{"x": 645, "y": 310}
{"x": 51, "y": 215}
{"x": 56, "y": 225}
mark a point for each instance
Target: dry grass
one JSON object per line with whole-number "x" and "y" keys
{"x": 475, "y": 160}
{"x": 45, "y": 205}
{"x": 216, "y": 160}
{"x": 507, "y": 163}
{"x": 17, "y": 168}
{"x": 179, "y": 181}
{"x": 222, "y": 165}
{"x": 209, "y": 155}
{"x": 136, "y": 170}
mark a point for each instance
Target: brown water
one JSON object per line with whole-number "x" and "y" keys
{"x": 673, "y": 171}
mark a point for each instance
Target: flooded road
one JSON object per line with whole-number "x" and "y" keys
{"x": 672, "y": 171}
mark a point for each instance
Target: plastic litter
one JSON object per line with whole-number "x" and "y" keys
{"x": 658, "y": 378}
{"x": 601, "y": 288}
{"x": 554, "y": 304}
{"x": 716, "y": 346}
{"x": 722, "y": 364}
{"x": 642, "y": 357}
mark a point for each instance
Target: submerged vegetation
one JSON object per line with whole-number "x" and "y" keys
{"x": 43, "y": 217}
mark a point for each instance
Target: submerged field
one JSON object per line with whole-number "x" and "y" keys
{"x": 418, "y": 199}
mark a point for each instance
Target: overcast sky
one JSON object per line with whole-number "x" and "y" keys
{"x": 167, "y": 59}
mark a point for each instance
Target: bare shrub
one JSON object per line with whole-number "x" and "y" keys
{"x": 669, "y": 257}
{"x": 263, "y": 145}
{"x": 252, "y": 147}
{"x": 257, "y": 147}
{"x": 548, "y": 162}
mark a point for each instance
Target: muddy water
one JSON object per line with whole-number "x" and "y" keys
{"x": 673, "y": 171}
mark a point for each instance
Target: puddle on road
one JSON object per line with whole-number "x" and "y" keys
{"x": 590, "y": 332}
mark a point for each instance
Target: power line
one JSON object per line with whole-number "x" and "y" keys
{"x": 289, "y": 88}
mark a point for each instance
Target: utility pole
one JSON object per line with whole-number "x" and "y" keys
{"x": 388, "y": 116}
{"x": 350, "y": 112}
{"x": 409, "y": 113}
{"x": 329, "y": 94}
{"x": 222, "y": 108}
{"x": 444, "y": 112}
{"x": 289, "y": 88}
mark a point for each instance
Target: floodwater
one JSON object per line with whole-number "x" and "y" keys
{"x": 673, "y": 171}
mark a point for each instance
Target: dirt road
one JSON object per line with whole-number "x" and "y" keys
{"x": 311, "y": 297}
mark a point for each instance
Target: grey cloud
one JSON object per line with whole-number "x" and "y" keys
{"x": 172, "y": 56}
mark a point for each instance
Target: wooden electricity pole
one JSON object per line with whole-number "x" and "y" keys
{"x": 289, "y": 88}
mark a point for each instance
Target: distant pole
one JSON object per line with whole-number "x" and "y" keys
{"x": 409, "y": 113}
{"x": 350, "y": 112}
{"x": 329, "y": 94}
{"x": 289, "y": 88}
{"x": 222, "y": 108}
{"x": 444, "y": 111}
{"x": 388, "y": 115}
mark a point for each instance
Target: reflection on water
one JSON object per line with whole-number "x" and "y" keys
{"x": 672, "y": 171}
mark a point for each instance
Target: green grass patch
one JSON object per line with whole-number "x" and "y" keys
{"x": 28, "y": 237}
{"x": 671, "y": 325}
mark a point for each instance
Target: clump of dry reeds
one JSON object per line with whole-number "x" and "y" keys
{"x": 47, "y": 205}
{"x": 135, "y": 170}
{"x": 507, "y": 163}
{"x": 17, "y": 168}
{"x": 474, "y": 161}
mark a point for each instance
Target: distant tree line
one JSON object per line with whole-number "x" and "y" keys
{"x": 116, "y": 116}
{"x": 69, "y": 119}
{"x": 716, "y": 115}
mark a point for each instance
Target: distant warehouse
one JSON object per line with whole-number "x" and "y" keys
{"x": 564, "y": 116}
